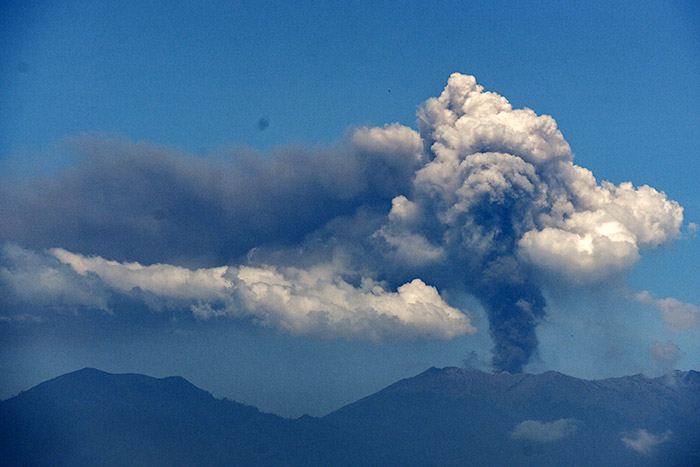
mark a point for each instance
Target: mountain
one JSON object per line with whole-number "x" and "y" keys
{"x": 454, "y": 416}
{"x": 90, "y": 417}
{"x": 444, "y": 416}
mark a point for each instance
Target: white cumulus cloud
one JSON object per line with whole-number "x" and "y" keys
{"x": 644, "y": 442}
{"x": 43, "y": 281}
{"x": 318, "y": 301}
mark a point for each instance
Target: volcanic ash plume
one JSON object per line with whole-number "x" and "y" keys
{"x": 353, "y": 241}
{"x": 500, "y": 203}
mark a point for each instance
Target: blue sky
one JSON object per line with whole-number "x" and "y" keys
{"x": 184, "y": 85}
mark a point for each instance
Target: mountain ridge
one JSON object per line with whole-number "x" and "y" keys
{"x": 447, "y": 416}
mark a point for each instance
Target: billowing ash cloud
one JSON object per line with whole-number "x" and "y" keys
{"x": 545, "y": 432}
{"x": 500, "y": 198}
{"x": 354, "y": 239}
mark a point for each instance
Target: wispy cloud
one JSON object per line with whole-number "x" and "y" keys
{"x": 666, "y": 356}
{"x": 644, "y": 442}
{"x": 678, "y": 316}
{"x": 545, "y": 432}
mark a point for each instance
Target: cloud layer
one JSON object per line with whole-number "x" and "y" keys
{"x": 355, "y": 239}
{"x": 317, "y": 301}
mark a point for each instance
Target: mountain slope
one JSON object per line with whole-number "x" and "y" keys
{"x": 90, "y": 417}
{"x": 441, "y": 417}
{"x": 455, "y": 416}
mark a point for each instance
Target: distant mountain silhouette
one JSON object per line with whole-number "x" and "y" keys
{"x": 444, "y": 416}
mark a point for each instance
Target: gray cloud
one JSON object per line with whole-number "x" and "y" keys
{"x": 140, "y": 202}
{"x": 678, "y": 316}
{"x": 545, "y": 432}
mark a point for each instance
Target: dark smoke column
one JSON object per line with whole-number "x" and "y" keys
{"x": 514, "y": 310}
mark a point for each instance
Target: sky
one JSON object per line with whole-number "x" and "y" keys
{"x": 295, "y": 204}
